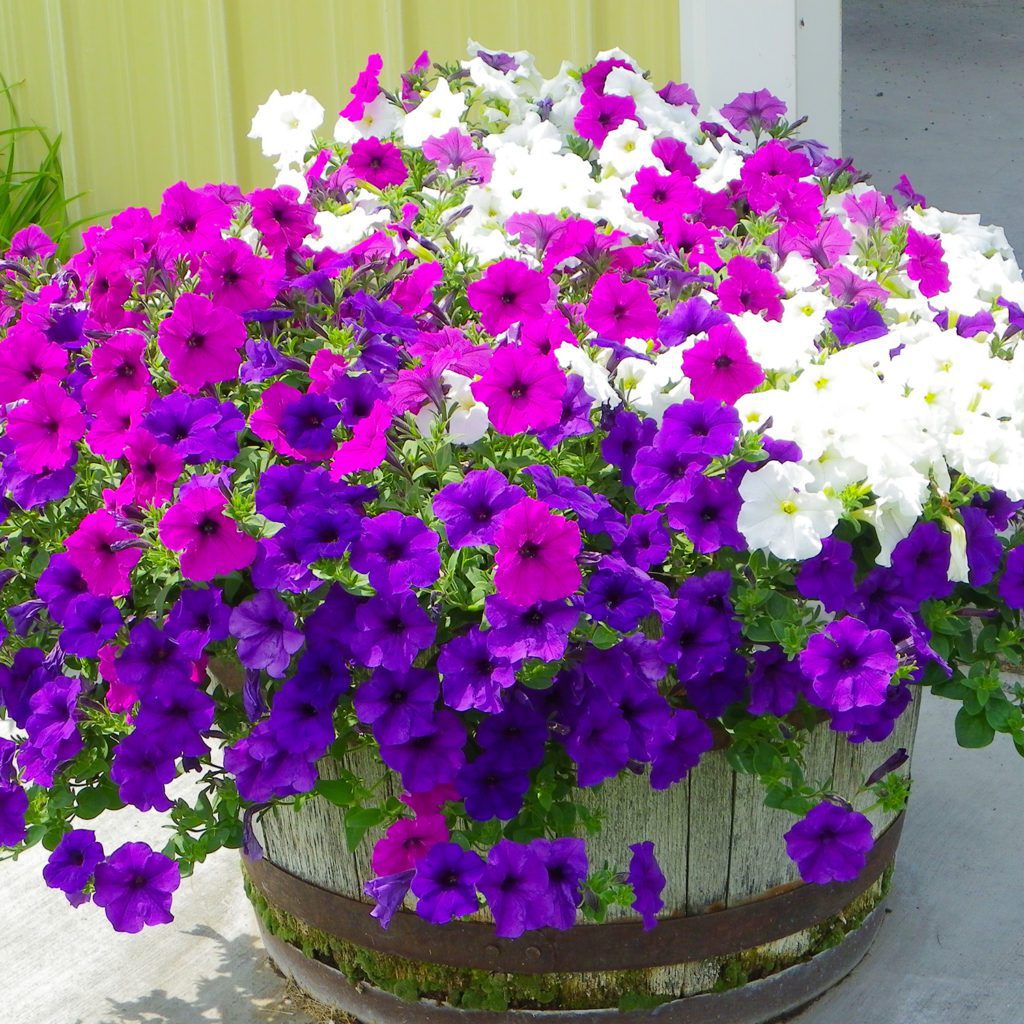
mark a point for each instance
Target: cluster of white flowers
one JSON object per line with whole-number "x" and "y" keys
{"x": 899, "y": 416}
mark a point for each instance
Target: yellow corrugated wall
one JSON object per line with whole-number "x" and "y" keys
{"x": 147, "y": 92}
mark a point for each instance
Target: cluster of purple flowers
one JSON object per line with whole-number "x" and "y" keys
{"x": 215, "y": 448}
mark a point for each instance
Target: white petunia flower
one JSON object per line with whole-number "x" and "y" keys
{"x": 285, "y": 125}
{"x": 780, "y": 515}
{"x": 439, "y": 111}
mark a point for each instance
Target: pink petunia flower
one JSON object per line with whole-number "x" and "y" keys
{"x": 415, "y": 291}
{"x": 32, "y": 243}
{"x": 406, "y": 841}
{"x": 621, "y": 309}
{"x": 201, "y": 342}
{"x": 521, "y": 389}
{"x": 368, "y": 446}
{"x": 45, "y": 427}
{"x": 454, "y": 151}
{"x": 95, "y": 550}
{"x": 155, "y": 468}
{"x": 210, "y": 543}
{"x": 508, "y": 293}
{"x": 599, "y": 116}
{"x": 536, "y": 554}
{"x": 27, "y": 357}
{"x": 663, "y": 197}
{"x": 280, "y": 218}
{"x": 236, "y": 277}
{"x": 749, "y": 288}
{"x": 190, "y": 220}
{"x": 118, "y": 371}
{"x": 366, "y": 89}
{"x": 376, "y": 162}
{"x": 925, "y": 263}
{"x": 720, "y": 367}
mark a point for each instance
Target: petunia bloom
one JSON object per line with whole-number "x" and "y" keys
{"x": 830, "y": 844}
{"x": 201, "y": 342}
{"x": 522, "y": 391}
{"x": 536, "y": 556}
{"x": 134, "y": 887}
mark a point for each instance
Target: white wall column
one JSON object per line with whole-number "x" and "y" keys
{"x": 792, "y": 47}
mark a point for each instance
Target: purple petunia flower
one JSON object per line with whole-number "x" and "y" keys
{"x": 648, "y": 883}
{"x": 492, "y": 787}
{"x": 89, "y": 623}
{"x": 469, "y": 508}
{"x": 388, "y": 892}
{"x": 430, "y": 758}
{"x": 856, "y": 323}
{"x": 627, "y": 434}
{"x": 690, "y": 318}
{"x": 134, "y": 887}
{"x": 849, "y": 665}
{"x": 647, "y": 542}
{"x": 397, "y": 704}
{"x": 517, "y": 734}
{"x": 72, "y": 863}
{"x": 391, "y": 629}
{"x": 709, "y": 514}
{"x": 828, "y": 577}
{"x": 921, "y": 563}
{"x": 679, "y": 749}
{"x": 59, "y": 584}
{"x": 514, "y": 879}
{"x": 575, "y": 419}
{"x": 1011, "y": 583}
{"x": 308, "y": 421}
{"x": 619, "y": 594}
{"x": 141, "y": 769}
{"x": 565, "y": 860}
{"x": 598, "y": 740}
{"x": 13, "y": 808}
{"x": 396, "y": 552}
{"x": 830, "y": 844}
{"x": 198, "y": 618}
{"x": 539, "y": 630}
{"x": 776, "y": 683}
{"x": 984, "y": 551}
{"x": 267, "y": 636}
{"x": 445, "y": 883}
{"x": 473, "y": 675}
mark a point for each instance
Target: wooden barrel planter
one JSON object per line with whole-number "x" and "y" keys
{"x": 740, "y": 939}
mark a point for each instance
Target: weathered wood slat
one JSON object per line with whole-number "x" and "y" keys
{"x": 711, "y": 784}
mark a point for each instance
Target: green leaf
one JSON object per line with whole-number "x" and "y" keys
{"x": 91, "y": 803}
{"x": 973, "y": 730}
{"x": 359, "y": 821}
{"x": 339, "y": 792}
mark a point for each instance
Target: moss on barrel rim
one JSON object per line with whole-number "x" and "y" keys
{"x": 485, "y": 990}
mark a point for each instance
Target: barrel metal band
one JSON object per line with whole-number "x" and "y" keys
{"x": 613, "y": 946}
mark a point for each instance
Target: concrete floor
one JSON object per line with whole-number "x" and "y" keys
{"x": 931, "y": 88}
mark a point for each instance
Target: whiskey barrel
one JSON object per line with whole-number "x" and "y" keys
{"x": 740, "y": 939}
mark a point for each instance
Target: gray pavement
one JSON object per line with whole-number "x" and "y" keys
{"x": 952, "y": 948}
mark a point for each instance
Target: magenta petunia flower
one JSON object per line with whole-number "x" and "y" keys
{"x": 95, "y": 550}
{"x": 522, "y": 390}
{"x": 32, "y": 243}
{"x": 720, "y": 367}
{"x": 210, "y": 543}
{"x": 621, "y": 309}
{"x": 368, "y": 446}
{"x": 600, "y": 115}
{"x": 236, "y": 277}
{"x": 407, "y": 841}
{"x": 376, "y": 162}
{"x": 365, "y": 90}
{"x": 454, "y": 151}
{"x": 45, "y": 427}
{"x": 119, "y": 373}
{"x": 663, "y": 197}
{"x": 536, "y": 556}
{"x": 155, "y": 468}
{"x": 201, "y": 342}
{"x": 925, "y": 263}
{"x": 749, "y": 288}
{"x": 509, "y": 292}
{"x": 190, "y": 220}
{"x": 28, "y": 357}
